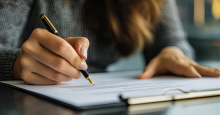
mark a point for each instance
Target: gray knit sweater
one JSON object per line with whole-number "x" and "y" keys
{"x": 18, "y": 18}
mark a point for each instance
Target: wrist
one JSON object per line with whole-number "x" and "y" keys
{"x": 17, "y": 68}
{"x": 172, "y": 49}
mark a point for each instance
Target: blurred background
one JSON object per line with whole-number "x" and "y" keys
{"x": 201, "y": 22}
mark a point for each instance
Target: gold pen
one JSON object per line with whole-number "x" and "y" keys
{"x": 53, "y": 30}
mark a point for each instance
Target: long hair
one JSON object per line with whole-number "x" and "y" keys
{"x": 126, "y": 24}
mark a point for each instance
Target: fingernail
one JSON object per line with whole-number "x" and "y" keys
{"x": 83, "y": 66}
{"x": 139, "y": 76}
{"x": 199, "y": 75}
{"x": 217, "y": 72}
{"x": 83, "y": 51}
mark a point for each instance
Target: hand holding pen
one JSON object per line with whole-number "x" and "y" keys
{"x": 47, "y": 59}
{"x": 79, "y": 46}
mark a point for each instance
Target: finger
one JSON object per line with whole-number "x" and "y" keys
{"x": 54, "y": 61}
{"x": 58, "y": 46}
{"x": 207, "y": 71}
{"x": 59, "y": 64}
{"x": 183, "y": 67}
{"x": 192, "y": 72}
{"x": 150, "y": 70}
{"x": 80, "y": 44}
{"x": 33, "y": 78}
{"x": 43, "y": 70}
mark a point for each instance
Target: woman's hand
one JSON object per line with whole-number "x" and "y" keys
{"x": 48, "y": 59}
{"x": 173, "y": 60}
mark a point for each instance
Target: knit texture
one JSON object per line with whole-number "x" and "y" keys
{"x": 20, "y": 17}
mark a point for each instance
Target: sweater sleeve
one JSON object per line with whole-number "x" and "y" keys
{"x": 13, "y": 17}
{"x": 169, "y": 32}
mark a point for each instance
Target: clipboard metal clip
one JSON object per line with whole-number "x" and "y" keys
{"x": 172, "y": 89}
{"x": 164, "y": 97}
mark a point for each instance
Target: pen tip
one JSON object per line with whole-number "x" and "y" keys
{"x": 90, "y": 80}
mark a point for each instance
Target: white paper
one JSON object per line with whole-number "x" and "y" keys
{"x": 108, "y": 87}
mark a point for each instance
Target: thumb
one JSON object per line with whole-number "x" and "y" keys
{"x": 150, "y": 70}
{"x": 80, "y": 44}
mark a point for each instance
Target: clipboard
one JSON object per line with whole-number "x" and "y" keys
{"x": 123, "y": 101}
{"x": 142, "y": 108}
{"x": 163, "y": 98}
{"x": 133, "y": 100}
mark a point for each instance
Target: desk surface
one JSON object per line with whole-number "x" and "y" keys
{"x": 14, "y": 102}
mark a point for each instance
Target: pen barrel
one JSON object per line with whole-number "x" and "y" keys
{"x": 85, "y": 73}
{"x": 48, "y": 24}
{"x": 57, "y": 34}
